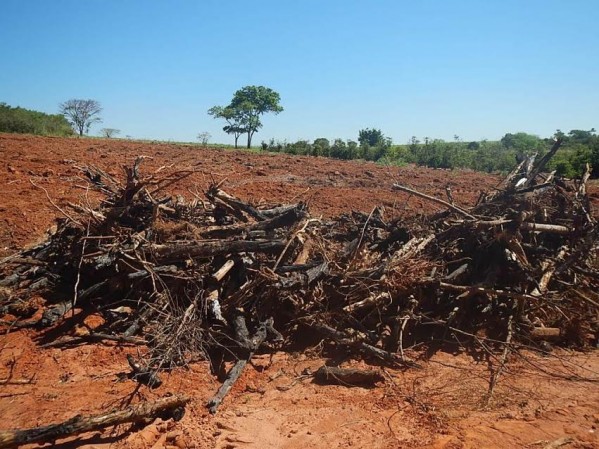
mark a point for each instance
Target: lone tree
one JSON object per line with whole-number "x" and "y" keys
{"x": 234, "y": 119}
{"x": 247, "y": 105}
{"x": 109, "y": 132}
{"x": 204, "y": 137}
{"x": 81, "y": 113}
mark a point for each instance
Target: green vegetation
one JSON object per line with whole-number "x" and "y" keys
{"x": 579, "y": 147}
{"x": 243, "y": 113}
{"x": 26, "y": 121}
{"x": 251, "y": 102}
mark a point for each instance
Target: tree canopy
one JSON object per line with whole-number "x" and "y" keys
{"x": 247, "y": 106}
{"x": 373, "y": 144}
{"x": 234, "y": 118}
{"x": 26, "y": 121}
{"x": 579, "y": 147}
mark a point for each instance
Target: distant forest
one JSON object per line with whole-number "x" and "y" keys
{"x": 579, "y": 147}
{"x": 26, "y": 121}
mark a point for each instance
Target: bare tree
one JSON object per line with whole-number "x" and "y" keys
{"x": 109, "y": 132}
{"x": 81, "y": 113}
{"x": 204, "y": 137}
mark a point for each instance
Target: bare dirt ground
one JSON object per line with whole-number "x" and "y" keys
{"x": 541, "y": 401}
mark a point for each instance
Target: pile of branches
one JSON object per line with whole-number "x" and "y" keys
{"x": 219, "y": 278}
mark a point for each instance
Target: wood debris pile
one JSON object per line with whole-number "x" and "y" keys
{"x": 218, "y": 277}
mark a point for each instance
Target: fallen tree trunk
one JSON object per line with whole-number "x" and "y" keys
{"x": 169, "y": 407}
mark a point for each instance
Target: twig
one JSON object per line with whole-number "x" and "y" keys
{"x": 54, "y": 204}
{"x": 379, "y": 353}
{"x": 78, "y": 278}
{"x": 95, "y": 336}
{"x": 487, "y": 291}
{"x": 433, "y": 199}
{"x": 502, "y": 360}
{"x": 357, "y": 247}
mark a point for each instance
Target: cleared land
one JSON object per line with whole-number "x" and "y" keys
{"x": 273, "y": 405}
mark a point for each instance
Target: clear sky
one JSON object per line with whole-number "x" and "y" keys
{"x": 475, "y": 68}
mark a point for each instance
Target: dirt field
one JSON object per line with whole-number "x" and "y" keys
{"x": 540, "y": 400}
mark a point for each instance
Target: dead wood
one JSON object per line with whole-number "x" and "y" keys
{"x": 370, "y": 301}
{"x": 236, "y": 203}
{"x": 366, "y": 348}
{"x": 169, "y": 407}
{"x": 224, "y": 270}
{"x": 486, "y": 291}
{"x": 191, "y": 278}
{"x": 433, "y": 199}
{"x": 251, "y": 344}
{"x": 94, "y": 336}
{"x": 287, "y": 218}
{"x": 540, "y": 165}
{"x": 209, "y": 248}
{"x": 143, "y": 375}
{"x": 55, "y": 313}
{"x": 347, "y": 376}
{"x": 546, "y": 333}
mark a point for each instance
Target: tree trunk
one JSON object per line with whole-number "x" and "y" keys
{"x": 236, "y": 138}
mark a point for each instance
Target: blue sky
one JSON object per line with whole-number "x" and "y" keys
{"x": 477, "y": 69}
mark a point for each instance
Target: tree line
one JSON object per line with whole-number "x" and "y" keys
{"x": 27, "y": 121}
{"x": 579, "y": 147}
{"x": 75, "y": 116}
{"x": 243, "y": 117}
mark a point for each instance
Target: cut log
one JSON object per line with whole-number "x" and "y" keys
{"x": 169, "y": 407}
{"x": 545, "y": 333}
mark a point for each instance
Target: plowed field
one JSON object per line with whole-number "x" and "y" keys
{"x": 540, "y": 401}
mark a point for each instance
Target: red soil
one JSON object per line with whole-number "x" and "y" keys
{"x": 536, "y": 403}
